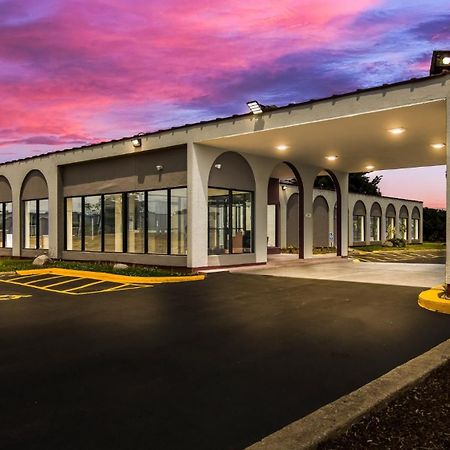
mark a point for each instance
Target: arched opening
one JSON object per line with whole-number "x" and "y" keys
{"x": 285, "y": 205}
{"x": 390, "y": 221}
{"x": 34, "y": 198}
{"x": 375, "y": 222}
{"x": 359, "y": 223}
{"x": 404, "y": 222}
{"x": 231, "y": 189}
{"x": 326, "y": 185}
{"x": 6, "y": 214}
{"x": 320, "y": 222}
{"x": 415, "y": 224}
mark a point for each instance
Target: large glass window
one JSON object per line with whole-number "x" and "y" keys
{"x": 218, "y": 221}
{"x": 157, "y": 222}
{"x": 358, "y": 229}
{"x": 415, "y": 229}
{"x": 178, "y": 221}
{"x": 8, "y": 230}
{"x": 390, "y": 227}
{"x": 43, "y": 223}
{"x": 229, "y": 221}
{"x": 30, "y": 223}
{"x": 73, "y": 223}
{"x": 113, "y": 225}
{"x": 404, "y": 228}
{"x": 241, "y": 222}
{"x": 93, "y": 223}
{"x": 375, "y": 228}
{"x": 136, "y": 222}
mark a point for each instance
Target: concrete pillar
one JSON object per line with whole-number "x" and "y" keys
{"x": 342, "y": 179}
{"x": 55, "y": 212}
{"x": 283, "y": 218}
{"x": 17, "y": 218}
{"x": 198, "y": 166}
{"x": 447, "y": 263}
{"x": 308, "y": 178}
{"x": 367, "y": 225}
{"x": 383, "y": 235}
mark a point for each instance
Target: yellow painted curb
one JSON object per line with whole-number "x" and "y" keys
{"x": 433, "y": 300}
{"x": 102, "y": 276}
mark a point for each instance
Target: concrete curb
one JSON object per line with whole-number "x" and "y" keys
{"x": 336, "y": 417}
{"x": 433, "y": 299}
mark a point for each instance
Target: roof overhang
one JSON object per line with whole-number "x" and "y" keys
{"x": 358, "y": 140}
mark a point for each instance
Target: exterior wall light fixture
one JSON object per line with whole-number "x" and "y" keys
{"x": 440, "y": 62}
{"x": 255, "y": 107}
{"x": 218, "y": 166}
{"x": 331, "y": 157}
{"x": 439, "y": 146}
{"x": 284, "y": 187}
{"x": 137, "y": 142}
{"x": 159, "y": 168}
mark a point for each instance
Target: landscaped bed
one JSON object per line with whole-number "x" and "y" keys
{"x": 424, "y": 246}
{"x": 12, "y": 265}
{"x": 418, "y": 418}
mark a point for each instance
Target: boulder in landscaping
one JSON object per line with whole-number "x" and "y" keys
{"x": 120, "y": 266}
{"x": 388, "y": 244}
{"x": 42, "y": 260}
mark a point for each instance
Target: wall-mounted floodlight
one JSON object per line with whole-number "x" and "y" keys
{"x": 137, "y": 142}
{"x": 218, "y": 166}
{"x": 440, "y": 61}
{"x": 284, "y": 187}
{"x": 159, "y": 167}
{"x": 255, "y": 107}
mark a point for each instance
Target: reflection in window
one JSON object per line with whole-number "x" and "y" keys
{"x": 30, "y": 223}
{"x": 93, "y": 223}
{"x": 178, "y": 221}
{"x": 241, "y": 222}
{"x": 8, "y": 230}
{"x": 157, "y": 222}
{"x": 136, "y": 222}
{"x": 229, "y": 221}
{"x": 375, "y": 228}
{"x": 113, "y": 225}
{"x": 73, "y": 223}
{"x": 218, "y": 221}
{"x": 358, "y": 229}
{"x": 390, "y": 227}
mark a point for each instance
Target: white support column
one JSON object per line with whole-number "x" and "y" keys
{"x": 383, "y": 236}
{"x": 367, "y": 226}
{"x": 197, "y": 191}
{"x": 447, "y": 263}
{"x": 283, "y": 218}
{"x": 55, "y": 213}
{"x": 343, "y": 184}
{"x": 17, "y": 218}
{"x": 308, "y": 188}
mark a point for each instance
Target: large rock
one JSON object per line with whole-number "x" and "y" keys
{"x": 388, "y": 244}
{"x": 41, "y": 260}
{"x": 120, "y": 266}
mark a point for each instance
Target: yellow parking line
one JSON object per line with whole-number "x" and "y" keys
{"x": 61, "y": 282}
{"x": 29, "y": 283}
{"x": 82, "y": 287}
{"x": 25, "y": 276}
{"x": 36, "y": 287}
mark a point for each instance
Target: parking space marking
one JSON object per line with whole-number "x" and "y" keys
{"x": 87, "y": 283}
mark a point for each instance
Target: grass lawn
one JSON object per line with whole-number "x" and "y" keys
{"x": 424, "y": 246}
{"x": 11, "y": 265}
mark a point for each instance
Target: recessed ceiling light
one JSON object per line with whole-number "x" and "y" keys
{"x": 438, "y": 146}
{"x": 331, "y": 157}
{"x": 398, "y": 130}
{"x": 370, "y": 167}
{"x": 282, "y": 147}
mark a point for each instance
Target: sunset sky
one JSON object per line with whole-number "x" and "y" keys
{"x": 74, "y": 72}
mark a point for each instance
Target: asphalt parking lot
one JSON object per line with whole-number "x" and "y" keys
{"x": 217, "y": 364}
{"x": 431, "y": 256}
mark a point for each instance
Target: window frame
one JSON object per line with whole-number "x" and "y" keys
{"x": 230, "y": 220}
{"x": 124, "y": 194}
{"x": 38, "y": 228}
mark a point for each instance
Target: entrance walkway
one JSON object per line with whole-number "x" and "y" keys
{"x": 338, "y": 269}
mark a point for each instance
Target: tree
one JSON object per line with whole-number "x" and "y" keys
{"x": 358, "y": 183}
{"x": 434, "y": 221}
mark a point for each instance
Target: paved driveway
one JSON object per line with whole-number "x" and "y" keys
{"x": 207, "y": 365}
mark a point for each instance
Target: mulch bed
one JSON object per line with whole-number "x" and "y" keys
{"x": 418, "y": 419}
